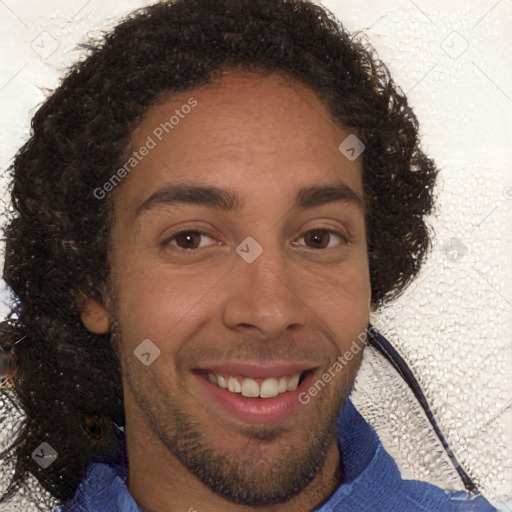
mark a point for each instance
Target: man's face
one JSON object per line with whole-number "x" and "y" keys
{"x": 237, "y": 314}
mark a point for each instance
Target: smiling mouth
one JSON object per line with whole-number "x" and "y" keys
{"x": 249, "y": 387}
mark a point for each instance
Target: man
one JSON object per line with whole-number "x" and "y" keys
{"x": 207, "y": 209}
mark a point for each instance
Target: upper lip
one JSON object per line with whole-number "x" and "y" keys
{"x": 257, "y": 370}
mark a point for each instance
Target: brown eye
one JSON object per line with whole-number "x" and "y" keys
{"x": 320, "y": 238}
{"x": 187, "y": 240}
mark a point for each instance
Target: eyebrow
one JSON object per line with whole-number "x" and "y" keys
{"x": 227, "y": 200}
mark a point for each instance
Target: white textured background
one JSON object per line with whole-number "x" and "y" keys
{"x": 453, "y": 59}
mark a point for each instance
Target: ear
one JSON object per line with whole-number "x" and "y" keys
{"x": 94, "y": 315}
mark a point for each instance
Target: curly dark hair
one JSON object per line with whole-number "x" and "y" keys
{"x": 58, "y": 233}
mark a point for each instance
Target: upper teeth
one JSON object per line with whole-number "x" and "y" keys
{"x": 250, "y": 388}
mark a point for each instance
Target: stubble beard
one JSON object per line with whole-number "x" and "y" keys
{"x": 250, "y": 476}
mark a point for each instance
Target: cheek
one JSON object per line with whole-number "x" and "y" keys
{"x": 341, "y": 300}
{"x": 157, "y": 302}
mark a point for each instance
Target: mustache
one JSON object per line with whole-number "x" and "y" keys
{"x": 259, "y": 351}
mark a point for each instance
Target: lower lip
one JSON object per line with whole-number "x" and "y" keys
{"x": 255, "y": 410}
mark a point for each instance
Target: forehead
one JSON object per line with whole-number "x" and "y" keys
{"x": 244, "y": 129}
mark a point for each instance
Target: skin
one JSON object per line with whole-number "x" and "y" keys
{"x": 303, "y": 299}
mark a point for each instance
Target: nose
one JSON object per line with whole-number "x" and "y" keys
{"x": 264, "y": 296}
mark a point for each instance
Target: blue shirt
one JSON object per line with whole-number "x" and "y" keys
{"x": 371, "y": 483}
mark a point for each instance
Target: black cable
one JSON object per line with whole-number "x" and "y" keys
{"x": 379, "y": 342}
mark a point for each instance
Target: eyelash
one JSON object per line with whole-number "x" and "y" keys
{"x": 198, "y": 231}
